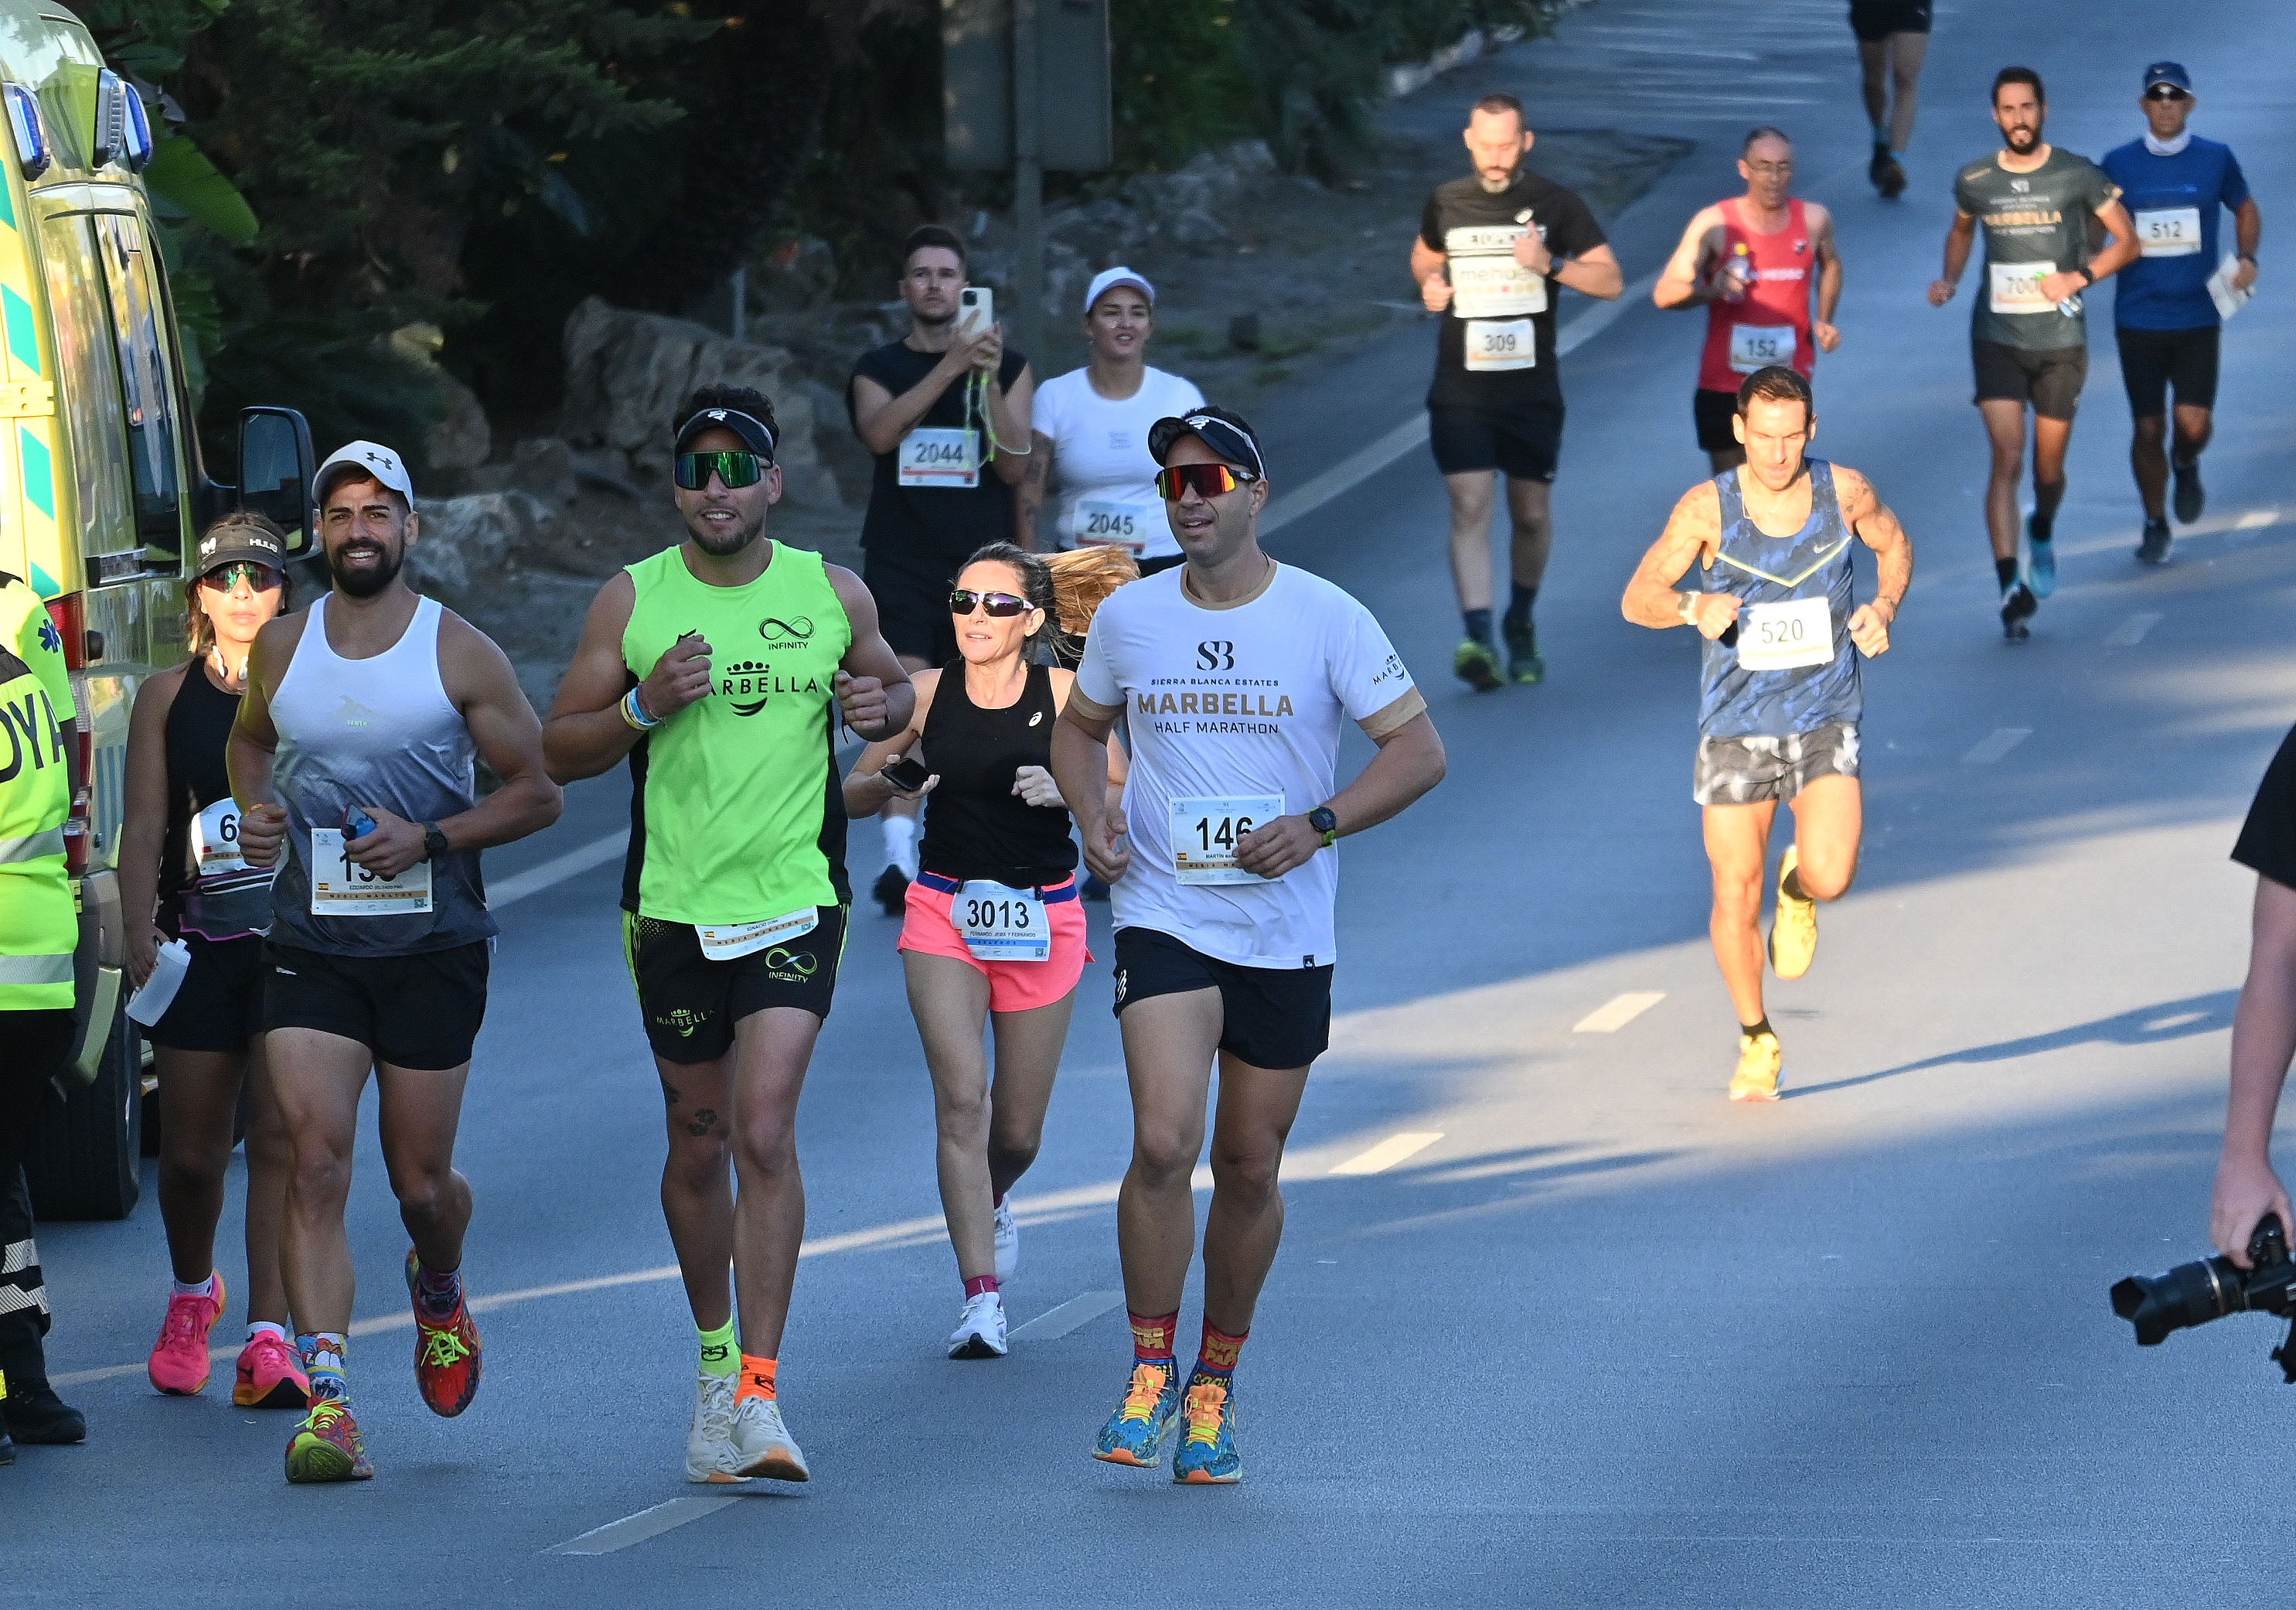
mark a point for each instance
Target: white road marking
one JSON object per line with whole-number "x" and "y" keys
{"x": 645, "y": 1523}
{"x": 1995, "y": 745}
{"x": 2256, "y": 520}
{"x": 1055, "y": 1322}
{"x": 1389, "y": 1152}
{"x": 2131, "y": 632}
{"x": 1618, "y": 1012}
{"x": 555, "y": 871}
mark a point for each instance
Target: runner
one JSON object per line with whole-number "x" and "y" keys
{"x": 1780, "y": 702}
{"x": 949, "y": 456}
{"x": 2028, "y": 336}
{"x": 1893, "y": 37}
{"x": 719, "y": 667}
{"x": 38, "y": 932}
{"x": 1747, "y": 261}
{"x": 1091, "y": 432}
{"x": 2165, "y": 310}
{"x": 1490, "y": 249}
{"x": 2263, "y": 1025}
{"x": 994, "y": 937}
{"x": 179, "y": 863}
{"x": 1236, "y": 674}
{"x": 354, "y": 762}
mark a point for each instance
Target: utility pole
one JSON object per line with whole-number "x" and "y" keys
{"x": 1024, "y": 324}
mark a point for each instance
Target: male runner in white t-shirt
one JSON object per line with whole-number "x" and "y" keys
{"x": 1235, "y": 673}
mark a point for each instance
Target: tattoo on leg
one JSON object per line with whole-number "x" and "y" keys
{"x": 705, "y": 1120}
{"x": 670, "y": 1091}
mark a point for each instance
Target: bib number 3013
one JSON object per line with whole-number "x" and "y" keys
{"x": 1205, "y": 830}
{"x": 341, "y": 887}
{"x": 1002, "y": 923}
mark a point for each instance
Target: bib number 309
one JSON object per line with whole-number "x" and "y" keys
{"x": 1205, "y": 831}
{"x": 1495, "y": 344}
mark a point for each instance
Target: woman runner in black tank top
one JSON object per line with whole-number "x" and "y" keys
{"x": 993, "y": 927}
{"x": 181, "y": 878}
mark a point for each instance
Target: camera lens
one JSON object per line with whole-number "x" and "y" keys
{"x": 2191, "y": 1293}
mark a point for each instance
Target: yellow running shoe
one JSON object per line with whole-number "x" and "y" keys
{"x": 1793, "y": 930}
{"x": 1759, "y": 1061}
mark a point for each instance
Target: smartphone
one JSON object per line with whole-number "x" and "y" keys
{"x": 908, "y": 773}
{"x": 356, "y": 822}
{"x": 976, "y": 310}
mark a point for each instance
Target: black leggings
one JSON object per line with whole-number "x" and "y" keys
{"x": 33, "y": 1048}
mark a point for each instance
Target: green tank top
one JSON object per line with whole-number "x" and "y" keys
{"x": 38, "y": 929}
{"x": 735, "y": 810}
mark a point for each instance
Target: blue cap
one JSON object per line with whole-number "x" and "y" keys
{"x": 2169, "y": 72}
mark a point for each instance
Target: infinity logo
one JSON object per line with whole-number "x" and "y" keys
{"x": 772, "y": 627}
{"x": 799, "y": 962}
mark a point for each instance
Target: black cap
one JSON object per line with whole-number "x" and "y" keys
{"x": 2170, "y": 73}
{"x": 752, "y": 430}
{"x": 236, "y": 542}
{"x": 1225, "y": 434}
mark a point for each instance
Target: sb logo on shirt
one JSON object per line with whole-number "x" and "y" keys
{"x": 1215, "y": 655}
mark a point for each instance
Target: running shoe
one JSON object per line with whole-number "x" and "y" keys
{"x": 328, "y": 1446}
{"x": 710, "y": 1441}
{"x": 1008, "y": 1243}
{"x": 762, "y": 1444}
{"x": 1759, "y": 1063}
{"x": 1874, "y": 167}
{"x": 1134, "y": 1432}
{"x": 448, "y": 1357}
{"x": 979, "y": 1332}
{"x": 2156, "y": 542}
{"x": 1477, "y": 666}
{"x": 1793, "y": 930}
{"x": 1207, "y": 1455}
{"x": 2017, "y": 606}
{"x": 7, "y": 1446}
{"x": 891, "y": 890}
{"x": 270, "y": 1376}
{"x": 1524, "y": 667}
{"x": 2041, "y": 566}
{"x": 179, "y": 1358}
{"x": 37, "y": 1418}
{"x": 1889, "y": 178}
{"x": 2190, "y": 497}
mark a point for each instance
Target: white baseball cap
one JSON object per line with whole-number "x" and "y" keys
{"x": 372, "y": 461}
{"x": 1108, "y": 279}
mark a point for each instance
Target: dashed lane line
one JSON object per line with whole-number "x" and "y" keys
{"x": 1077, "y": 1312}
{"x": 1389, "y": 1152}
{"x": 555, "y": 871}
{"x": 645, "y": 1523}
{"x": 1995, "y": 745}
{"x": 1618, "y": 1012}
{"x": 2131, "y": 632}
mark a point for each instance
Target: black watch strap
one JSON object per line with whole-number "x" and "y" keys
{"x": 434, "y": 841}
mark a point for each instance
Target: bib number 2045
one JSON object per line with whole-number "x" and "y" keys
{"x": 1205, "y": 832}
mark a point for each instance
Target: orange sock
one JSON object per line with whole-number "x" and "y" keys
{"x": 756, "y": 1377}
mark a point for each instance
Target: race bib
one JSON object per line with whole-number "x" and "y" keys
{"x": 1204, "y": 831}
{"x": 1109, "y": 520}
{"x": 1758, "y": 346}
{"x": 725, "y": 941}
{"x": 1001, "y": 924}
{"x": 1782, "y": 636}
{"x": 341, "y": 887}
{"x": 940, "y": 457}
{"x": 1486, "y": 281}
{"x": 214, "y": 840}
{"x": 1493, "y": 344}
{"x": 2017, "y": 287}
{"x": 2169, "y": 232}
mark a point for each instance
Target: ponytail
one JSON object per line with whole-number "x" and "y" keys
{"x": 1069, "y": 586}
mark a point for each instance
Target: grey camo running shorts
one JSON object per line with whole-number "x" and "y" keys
{"x": 1748, "y": 770}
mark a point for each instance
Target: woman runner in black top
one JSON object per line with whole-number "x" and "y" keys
{"x": 181, "y": 878}
{"x": 993, "y": 933}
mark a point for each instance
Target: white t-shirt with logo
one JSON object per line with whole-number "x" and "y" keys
{"x": 1106, "y": 481}
{"x": 1227, "y": 703}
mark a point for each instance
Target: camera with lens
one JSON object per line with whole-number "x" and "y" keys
{"x": 2194, "y": 1293}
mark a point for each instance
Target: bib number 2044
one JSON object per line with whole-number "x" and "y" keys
{"x": 1205, "y": 832}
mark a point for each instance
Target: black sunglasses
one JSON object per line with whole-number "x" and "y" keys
{"x": 2166, "y": 92}
{"x": 735, "y": 466}
{"x": 261, "y": 577}
{"x": 962, "y": 601}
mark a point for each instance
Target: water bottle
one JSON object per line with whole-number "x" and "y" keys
{"x": 151, "y": 1003}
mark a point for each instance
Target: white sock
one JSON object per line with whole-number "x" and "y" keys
{"x": 259, "y": 1326}
{"x": 901, "y": 844}
{"x": 205, "y": 1288}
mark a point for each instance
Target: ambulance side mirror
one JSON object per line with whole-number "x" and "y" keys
{"x": 275, "y": 469}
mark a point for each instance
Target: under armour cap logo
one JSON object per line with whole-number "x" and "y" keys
{"x": 718, "y": 414}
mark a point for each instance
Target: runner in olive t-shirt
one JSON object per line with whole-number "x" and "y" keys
{"x": 720, "y": 668}
{"x": 2028, "y": 336}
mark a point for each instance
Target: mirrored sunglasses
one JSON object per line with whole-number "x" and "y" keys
{"x": 261, "y": 577}
{"x": 963, "y": 600}
{"x": 2165, "y": 92}
{"x": 735, "y": 467}
{"x": 1207, "y": 479}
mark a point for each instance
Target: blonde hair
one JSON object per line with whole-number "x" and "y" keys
{"x": 1069, "y": 586}
{"x": 199, "y": 631}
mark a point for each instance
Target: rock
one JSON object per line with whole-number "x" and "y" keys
{"x": 797, "y": 275}
{"x": 1197, "y": 227}
{"x": 461, "y": 439}
{"x": 546, "y": 468}
{"x": 464, "y": 545}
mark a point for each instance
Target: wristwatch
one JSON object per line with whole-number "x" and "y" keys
{"x": 1327, "y": 823}
{"x": 1685, "y": 605}
{"x": 434, "y": 841}
{"x": 2087, "y": 273}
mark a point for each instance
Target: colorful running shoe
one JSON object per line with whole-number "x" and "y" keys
{"x": 179, "y": 1358}
{"x": 2041, "y": 566}
{"x": 1760, "y": 1060}
{"x": 1476, "y": 666}
{"x": 762, "y": 1444}
{"x": 1207, "y": 1455}
{"x": 1134, "y": 1432}
{"x": 1793, "y": 930}
{"x": 270, "y": 1376}
{"x": 328, "y": 1446}
{"x": 709, "y": 1442}
{"x": 448, "y": 1357}
{"x": 1524, "y": 667}
{"x": 1008, "y": 1242}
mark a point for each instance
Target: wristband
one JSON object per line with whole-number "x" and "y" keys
{"x": 2087, "y": 275}
{"x": 633, "y": 713}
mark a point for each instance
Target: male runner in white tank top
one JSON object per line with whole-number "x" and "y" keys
{"x": 352, "y": 762}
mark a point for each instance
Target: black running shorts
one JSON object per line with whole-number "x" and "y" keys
{"x": 1748, "y": 770}
{"x": 2153, "y": 360}
{"x": 1271, "y": 1017}
{"x": 690, "y": 1003}
{"x": 219, "y": 1004}
{"x": 411, "y": 1011}
{"x": 1714, "y": 411}
{"x": 1519, "y": 442}
{"x": 1875, "y": 20}
{"x": 912, "y": 610}
{"x": 2047, "y": 379}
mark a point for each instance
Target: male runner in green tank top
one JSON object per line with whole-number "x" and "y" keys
{"x": 713, "y": 666}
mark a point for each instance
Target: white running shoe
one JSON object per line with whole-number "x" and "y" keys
{"x": 1008, "y": 1242}
{"x": 981, "y": 1332}
{"x": 710, "y": 1444}
{"x": 762, "y": 1444}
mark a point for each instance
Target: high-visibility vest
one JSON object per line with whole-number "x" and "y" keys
{"x": 38, "y": 929}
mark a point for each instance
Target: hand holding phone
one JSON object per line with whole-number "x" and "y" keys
{"x": 907, "y": 777}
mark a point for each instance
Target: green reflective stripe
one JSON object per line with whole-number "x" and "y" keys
{"x": 37, "y": 969}
{"x": 32, "y": 847}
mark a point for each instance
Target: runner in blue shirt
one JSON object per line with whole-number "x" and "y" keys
{"x": 2164, "y": 312}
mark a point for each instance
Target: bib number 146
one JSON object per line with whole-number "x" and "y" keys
{"x": 1205, "y": 831}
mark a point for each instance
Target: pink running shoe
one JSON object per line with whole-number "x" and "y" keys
{"x": 270, "y": 1376}
{"x": 179, "y": 1358}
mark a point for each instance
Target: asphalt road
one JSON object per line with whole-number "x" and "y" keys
{"x": 1606, "y": 1340}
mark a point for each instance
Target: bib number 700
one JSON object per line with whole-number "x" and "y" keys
{"x": 1205, "y": 832}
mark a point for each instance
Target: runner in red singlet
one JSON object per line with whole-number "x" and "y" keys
{"x": 1747, "y": 261}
